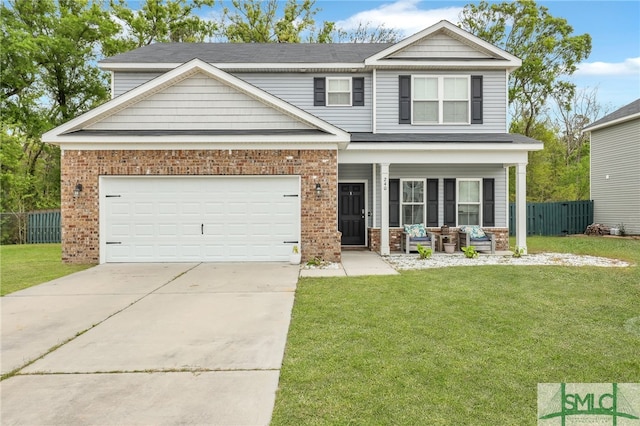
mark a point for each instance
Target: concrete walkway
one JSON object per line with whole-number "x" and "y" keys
{"x": 147, "y": 344}
{"x": 354, "y": 263}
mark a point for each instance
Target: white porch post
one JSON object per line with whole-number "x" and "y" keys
{"x": 521, "y": 206}
{"x": 384, "y": 215}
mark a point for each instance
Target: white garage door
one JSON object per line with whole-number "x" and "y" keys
{"x": 185, "y": 219}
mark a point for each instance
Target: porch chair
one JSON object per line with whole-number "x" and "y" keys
{"x": 473, "y": 235}
{"x": 418, "y": 234}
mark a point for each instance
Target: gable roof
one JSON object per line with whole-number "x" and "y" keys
{"x": 82, "y": 130}
{"x": 494, "y": 56}
{"x": 321, "y": 56}
{"x": 626, "y": 113}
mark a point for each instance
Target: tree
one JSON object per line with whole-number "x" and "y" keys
{"x": 255, "y": 21}
{"x": 49, "y": 50}
{"x": 159, "y": 21}
{"x": 545, "y": 44}
{"x": 365, "y": 33}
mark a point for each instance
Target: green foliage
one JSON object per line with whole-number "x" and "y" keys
{"x": 27, "y": 265}
{"x": 48, "y": 55}
{"x": 518, "y": 252}
{"x": 546, "y": 45}
{"x": 470, "y": 252}
{"x": 316, "y": 261}
{"x": 255, "y": 21}
{"x": 417, "y": 348}
{"x": 159, "y": 21}
{"x": 424, "y": 252}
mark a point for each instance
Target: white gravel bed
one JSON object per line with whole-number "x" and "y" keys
{"x": 412, "y": 261}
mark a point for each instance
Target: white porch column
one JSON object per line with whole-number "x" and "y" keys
{"x": 521, "y": 206}
{"x": 384, "y": 215}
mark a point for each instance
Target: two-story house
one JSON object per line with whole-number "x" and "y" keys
{"x": 239, "y": 152}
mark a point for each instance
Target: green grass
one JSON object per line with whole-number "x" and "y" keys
{"x": 458, "y": 345}
{"x": 23, "y": 266}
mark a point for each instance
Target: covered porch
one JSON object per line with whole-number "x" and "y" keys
{"x": 436, "y": 184}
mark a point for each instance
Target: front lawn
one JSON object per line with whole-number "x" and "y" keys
{"x": 458, "y": 345}
{"x": 23, "y": 266}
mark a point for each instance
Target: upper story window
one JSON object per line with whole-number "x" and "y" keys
{"x": 440, "y": 100}
{"x": 338, "y": 91}
{"x": 431, "y": 99}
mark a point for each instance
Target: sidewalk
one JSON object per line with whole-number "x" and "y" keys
{"x": 354, "y": 263}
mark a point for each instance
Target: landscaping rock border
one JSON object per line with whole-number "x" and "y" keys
{"x": 411, "y": 261}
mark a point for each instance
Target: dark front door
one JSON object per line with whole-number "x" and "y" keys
{"x": 351, "y": 217}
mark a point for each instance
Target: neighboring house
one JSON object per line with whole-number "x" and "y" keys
{"x": 615, "y": 168}
{"x": 225, "y": 152}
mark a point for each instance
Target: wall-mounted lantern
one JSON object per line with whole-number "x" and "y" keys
{"x": 77, "y": 190}
{"x": 318, "y": 189}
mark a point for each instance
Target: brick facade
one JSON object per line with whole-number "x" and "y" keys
{"x": 80, "y": 216}
{"x": 395, "y": 238}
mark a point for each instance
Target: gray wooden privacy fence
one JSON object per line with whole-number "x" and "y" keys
{"x": 43, "y": 227}
{"x": 561, "y": 218}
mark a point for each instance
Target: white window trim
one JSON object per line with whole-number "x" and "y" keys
{"x": 424, "y": 200}
{"x": 441, "y": 100}
{"x": 480, "y": 196}
{"x": 328, "y": 103}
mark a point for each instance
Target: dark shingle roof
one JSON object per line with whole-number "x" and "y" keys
{"x": 250, "y": 53}
{"x": 625, "y": 111}
{"x": 443, "y": 137}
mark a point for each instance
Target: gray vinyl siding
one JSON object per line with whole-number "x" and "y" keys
{"x": 359, "y": 173}
{"x": 440, "y": 46}
{"x": 297, "y": 89}
{"x": 452, "y": 171}
{"x": 615, "y": 151}
{"x": 125, "y": 81}
{"x": 199, "y": 102}
{"x": 494, "y": 105}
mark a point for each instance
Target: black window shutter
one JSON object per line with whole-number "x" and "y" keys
{"x": 319, "y": 91}
{"x": 394, "y": 202}
{"x": 357, "y": 89}
{"x": 450, "y": 202}
{"x": 488, "y": 202}
{"x": 432, "y": 202}
{"x": 404, "y": 87}
{"x": 476, "y": 99}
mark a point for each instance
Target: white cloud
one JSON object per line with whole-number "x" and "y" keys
{"x": 630, "y": 66}
{"x": 402, "y": 15}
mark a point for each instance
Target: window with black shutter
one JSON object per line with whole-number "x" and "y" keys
{"x": 319, "y": 91}
{"x": 432, "y": 202}
{"x": 358, "y": 91}
{"x": 404, "y": 99}
{"x": 394, "y": 202}
{"x": 450, "y": 202}
{"x": 476, "y": 99}
{"x": 338, "y": 91}
{"x": 488, "y": 202}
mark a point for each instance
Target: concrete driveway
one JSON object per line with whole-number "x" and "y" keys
{"x": 147, "y": 344}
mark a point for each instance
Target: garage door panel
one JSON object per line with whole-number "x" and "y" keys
{"x": 199, "y": 218}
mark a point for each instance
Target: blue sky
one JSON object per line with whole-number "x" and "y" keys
{"x": 613, "y": 66}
